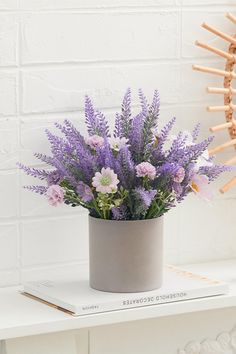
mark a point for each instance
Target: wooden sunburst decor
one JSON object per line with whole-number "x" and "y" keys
{"x": 228, "y": 91}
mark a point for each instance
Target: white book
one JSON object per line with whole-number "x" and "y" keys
{"x": 76, "y": 297}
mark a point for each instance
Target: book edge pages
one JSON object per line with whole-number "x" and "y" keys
{"x": 214, "y": 290}
{"x": 46, "y": 302}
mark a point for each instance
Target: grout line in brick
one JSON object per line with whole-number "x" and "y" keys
{"x": 67, "y": 215}
{"x": 41, "y": 66}
{"x": 50, "y": 266}
{"x": 181, "y": 48}
{"x": 18, "y": 93}
{"x": 112, "y": 62}
{"x": 213, "y": 8}
{"x": 97, "y": 10}
{"x": 107, "y": 110}
{"x": 8, "y": 269}
{"x": 48, "y": 116}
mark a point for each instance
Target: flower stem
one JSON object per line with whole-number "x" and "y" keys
{"x": 96, "y": 208}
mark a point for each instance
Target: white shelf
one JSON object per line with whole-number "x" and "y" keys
{"x": 21, "y": 316}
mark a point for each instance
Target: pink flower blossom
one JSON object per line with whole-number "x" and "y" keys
{"x": 106, "y": 181}
{"x": 200, "y": 186}
{"x": 179, "y": 176}
{"x": 55, "y": 195}
{"x": 95, "y": 141}
{"x": 145, "y": 169}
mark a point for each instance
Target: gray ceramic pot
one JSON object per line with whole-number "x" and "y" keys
{"x": 126, "y": 256}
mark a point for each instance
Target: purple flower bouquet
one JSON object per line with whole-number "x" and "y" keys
{"x": 138, "y": 171}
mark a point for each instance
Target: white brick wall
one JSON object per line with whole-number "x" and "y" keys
{"x": 55, "y": 51}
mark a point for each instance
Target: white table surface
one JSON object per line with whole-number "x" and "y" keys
{"x": 21, "y": 316}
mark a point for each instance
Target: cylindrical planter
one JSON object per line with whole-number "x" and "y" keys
{"x": 125, "y": 256}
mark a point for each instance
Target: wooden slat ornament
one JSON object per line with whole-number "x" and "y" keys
{"x": 227, "y": 90}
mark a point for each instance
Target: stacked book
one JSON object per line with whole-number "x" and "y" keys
{"x": 77, "y": 298}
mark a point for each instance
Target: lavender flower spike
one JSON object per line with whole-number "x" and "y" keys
{"x": 129, "y": 173}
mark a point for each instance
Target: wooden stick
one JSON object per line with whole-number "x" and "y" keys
{"x": 219, "y": 127}
{"x": 206, "y": 69}
{"x": 230, "y": 161}
{"x": 218, "y": 33}
{"x": 228, "y": 185}
{"x": 221, "y": 90}
{"x": 225, "y": 108}
{"x": 217, "y": 51}
{"x": 222, "y": 147}
{"x": 231, "y": 17}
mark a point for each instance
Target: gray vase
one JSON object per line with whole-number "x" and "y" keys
{"x": 125, "y": 256}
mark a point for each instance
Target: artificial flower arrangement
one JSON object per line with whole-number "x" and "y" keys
{"x": 139, "y": 171}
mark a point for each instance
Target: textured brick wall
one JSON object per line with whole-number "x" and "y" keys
{"x": 52, "y": 52}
